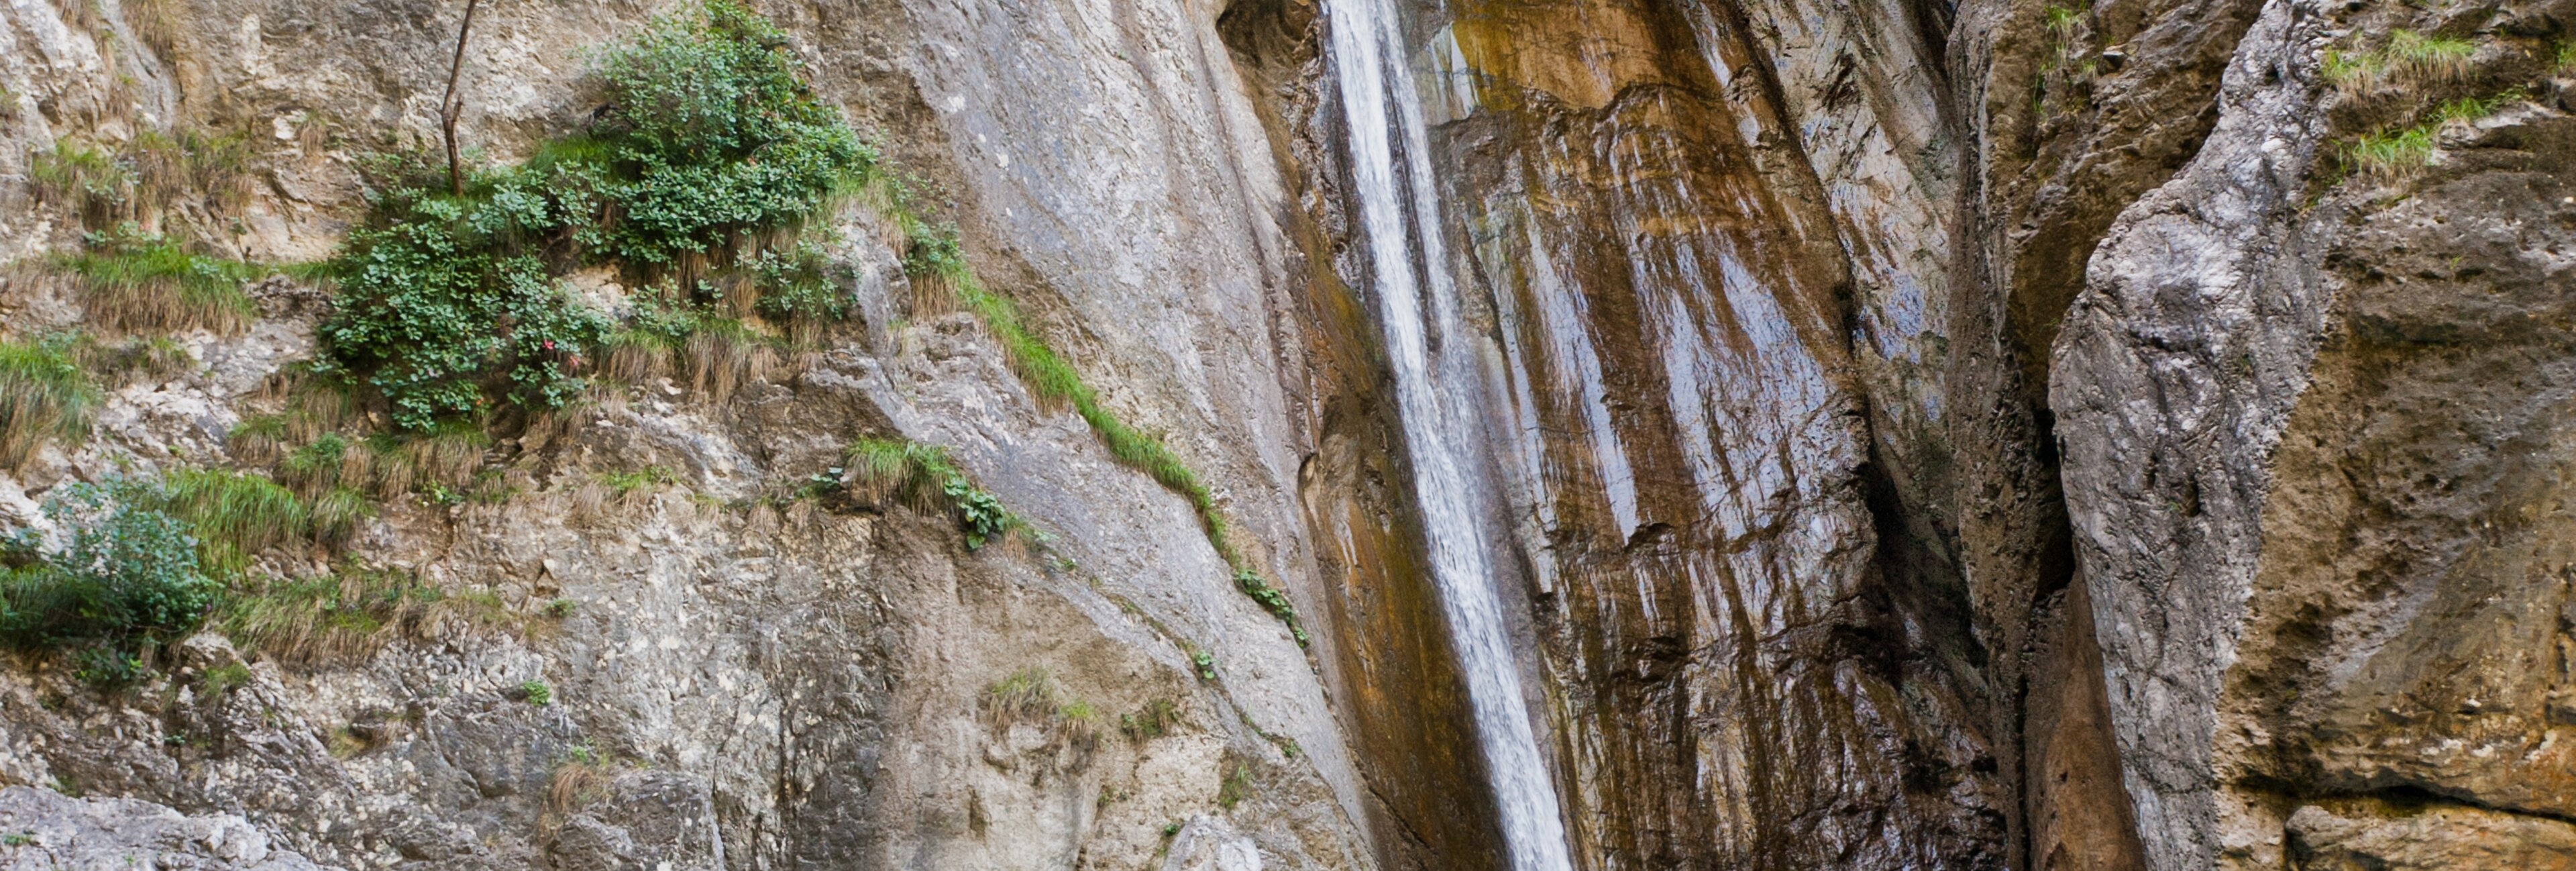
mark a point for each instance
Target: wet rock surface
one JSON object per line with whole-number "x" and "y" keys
{"x": 1994, "y": 434}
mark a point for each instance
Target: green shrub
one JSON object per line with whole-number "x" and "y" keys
{"x": 710, "y": 132}
{"x": 44, "y": 396}
{"x": 1272, "y": 599}
{"x": 443, "y": 310}
{"x": 802, "y": 284}
{"x": 117, "y": 574}
{"x": 537, "y": 693}
{"x": 711, "y": 143}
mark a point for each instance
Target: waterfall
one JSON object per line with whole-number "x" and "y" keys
{"x": 1400, "y": 213}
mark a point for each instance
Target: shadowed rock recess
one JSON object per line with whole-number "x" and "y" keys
{"x": 1217, "y": 435}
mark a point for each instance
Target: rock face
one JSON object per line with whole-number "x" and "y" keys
{"x": 1976, "y": 435}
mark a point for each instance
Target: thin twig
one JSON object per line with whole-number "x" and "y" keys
{"x": 453, "y": 106}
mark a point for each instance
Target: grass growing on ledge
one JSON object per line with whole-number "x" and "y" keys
{"x": 136, "y": 282}
{"x": 2429, "y": 59}
{"x": 44, "y": 396}
{"x": 922, "y": 476}
{"x": 2389, "y": 155}
{"x": 936, "y": 255}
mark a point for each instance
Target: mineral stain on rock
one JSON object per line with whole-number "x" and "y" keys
{"x": 1724, "y": 434}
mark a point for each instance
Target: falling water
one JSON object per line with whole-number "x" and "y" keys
{"x": 1400, "y": 213}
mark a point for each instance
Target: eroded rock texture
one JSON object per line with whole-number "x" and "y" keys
{"x": 1993, "y": 434}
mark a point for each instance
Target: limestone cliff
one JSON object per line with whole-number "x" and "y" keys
{"x": 1990, "y": 434}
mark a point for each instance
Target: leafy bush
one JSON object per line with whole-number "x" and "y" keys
{"x": 801, "y": 283}
{"x": 118, "y": 574}
{"x": 710, "y": 143}
{"x": 44, "y": 395}
{"x": 445, "y": 308}
{"x": 711, "y": 131}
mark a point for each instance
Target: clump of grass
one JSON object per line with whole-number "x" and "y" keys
{"x": 2355, "y": 72}
{"x": 2426, "y": 59}
{"x": 536, "y": 692}
{"x": 2467, "y": 110}
{"x": 581, "y": 778}
{"x": 89, "y": 181}
{"x": 1054, "y": 379}
{"x": 156, "y": 175}
{"x": 2564, "y": 63}
{"x": 2389, "y": 155}
{"x": 146, "y": 356}
{"x": 1156, "y": 719}
{"x": 2065, "y": 26}
{"x": 1234, "y": 787}
{"x": 924, "y": 478}
{"x": 137, "y": 282}
{"x": 605, "y": 487}
{"x": 44, "y": 396}
{"x": 234, "y": 515}
{"x": 352, "y": 612}
{"x": 223, "y": 678}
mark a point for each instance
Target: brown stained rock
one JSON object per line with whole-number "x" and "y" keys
{"x": 2366, "y": 835}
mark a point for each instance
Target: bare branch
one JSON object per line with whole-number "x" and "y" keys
{"x": 454, "y": 105}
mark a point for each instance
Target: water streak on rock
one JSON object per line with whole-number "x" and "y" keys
{"x": 1435, "y": 393}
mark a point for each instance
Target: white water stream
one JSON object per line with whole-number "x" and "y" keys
{"x": 1400, "y": 213}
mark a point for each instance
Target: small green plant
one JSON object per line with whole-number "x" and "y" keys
{"x": 1272, "y": 599}
{"x": 1235, "y": 786}
{"x": 223, "y": 678}
{"x": 536, "y": 692}
{"x": 2564, "y": 61}
{"x": 562, "y": 608}
{"x": 2467, "y": 110}
{"x": 44, "y": 396}
{"x": 619, "y": 484}
{"x": 924, "y": 477}
{"x": 1205, "y": 663}
{"x": 1156, "y": 719}
{"x": 2065, "y": 24}
{"x": 17, "y": 839}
